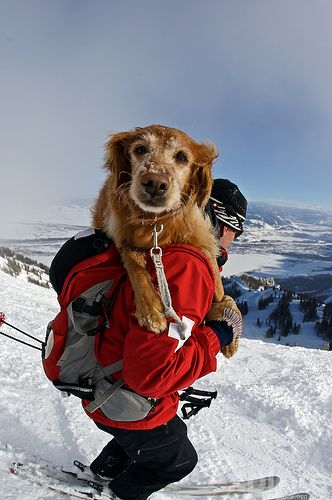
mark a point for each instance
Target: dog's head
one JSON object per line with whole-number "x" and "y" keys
{"x": 159, "y": 168}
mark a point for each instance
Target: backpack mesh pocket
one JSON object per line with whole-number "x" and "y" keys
{"x": 123, "y": 405}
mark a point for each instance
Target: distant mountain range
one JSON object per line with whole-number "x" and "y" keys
{"x": 302, "y": 237}
{"x": 291, "y": 244}
{"x": 288, "y": 231}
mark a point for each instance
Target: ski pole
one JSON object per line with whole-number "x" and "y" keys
{"x": 21, "y": 341}
{"x": 2, "y": 321}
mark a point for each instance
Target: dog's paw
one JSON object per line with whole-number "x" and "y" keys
{"x": 153, "y": 323}
{"x": 231, "y": 349}
{"x": 150, "y": 315}
{"x": 217, "y": 309}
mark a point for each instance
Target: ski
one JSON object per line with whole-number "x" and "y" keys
{"x": 219, "y": 489}
{"x": 83, "y": 473}
{"x": 295, "y": 496}
{"x": 80, "y": 482}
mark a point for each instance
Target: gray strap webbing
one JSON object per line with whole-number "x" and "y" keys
{"x": 97, "y": 403}
{"x": 156, "y": 256}
{"x": 110, "y": 369}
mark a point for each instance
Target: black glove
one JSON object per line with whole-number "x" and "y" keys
{"x": 223, "y": 331}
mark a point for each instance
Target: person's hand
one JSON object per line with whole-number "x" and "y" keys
{"x": 225, "y": 319}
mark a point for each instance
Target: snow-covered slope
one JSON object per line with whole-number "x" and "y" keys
{"x": 272, "y": 415}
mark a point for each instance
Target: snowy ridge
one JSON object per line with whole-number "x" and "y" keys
{"x": 272, "y": 415}
{"x": 24, "y": 268}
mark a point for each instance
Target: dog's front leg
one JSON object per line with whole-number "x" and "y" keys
{"x": 219, "y": 289}
{"x": 149, "y": 307}
{"x": 218, "y": 306}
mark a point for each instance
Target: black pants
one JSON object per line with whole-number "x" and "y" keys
{"x": 151, "y": 458}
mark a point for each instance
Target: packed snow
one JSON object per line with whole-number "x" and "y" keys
{"x": 272, "y": 415}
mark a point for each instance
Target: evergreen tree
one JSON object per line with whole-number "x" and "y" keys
{"x": 308, "y": 305}
{"x": 243, "y": 306}
{"x": 324, "y": 327}
{"x": 233, "y": 290}
{"x": 281, "y": 316}
{"x": 296, "y": 329}
{"x": 264, "y": 302}
{"x": 269, "y": 332}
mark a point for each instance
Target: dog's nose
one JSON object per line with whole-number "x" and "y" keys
{"x": 154, "y": 185}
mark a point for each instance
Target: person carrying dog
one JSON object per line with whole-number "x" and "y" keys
{"x": 227, "y": 209}
{"x": 146, "y": 455}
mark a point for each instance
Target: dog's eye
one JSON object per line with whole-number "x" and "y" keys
{"x": 140, "y": 150}
{"x": 180, "y": 156}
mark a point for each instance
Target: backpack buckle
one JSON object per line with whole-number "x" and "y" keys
{"x": 80, "y": 305}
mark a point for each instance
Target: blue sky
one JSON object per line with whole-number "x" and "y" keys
{"x": 254, "y": 77}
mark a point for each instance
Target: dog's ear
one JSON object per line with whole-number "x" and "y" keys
{"x": 202, "y": 178}
{"x": 116, "y": 158}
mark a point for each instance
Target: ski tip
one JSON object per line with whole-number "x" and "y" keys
{"x": 14, "y": 466}
{"x": 266, "y": 483}
{"x": 296, "y": 496}
{"x": 248, "y": 486}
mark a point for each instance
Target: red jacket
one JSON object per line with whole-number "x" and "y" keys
{"x": 151, "y": 367}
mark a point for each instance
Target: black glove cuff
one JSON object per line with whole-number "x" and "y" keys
{"x": 223, "y": 331}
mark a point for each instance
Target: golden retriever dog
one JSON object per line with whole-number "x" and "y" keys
{"x": 157, "y": 175}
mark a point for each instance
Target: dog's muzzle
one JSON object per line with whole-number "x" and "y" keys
{"x": 154, "y": 190}
{"x": 154, "y": 185}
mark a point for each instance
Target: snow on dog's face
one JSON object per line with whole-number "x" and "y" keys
{"x": 159, "y": 169}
